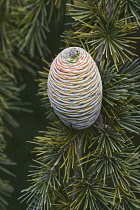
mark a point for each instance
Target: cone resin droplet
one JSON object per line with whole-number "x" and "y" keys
{"x": 75, "y": 88}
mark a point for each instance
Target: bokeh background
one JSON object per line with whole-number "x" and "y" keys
{"x": 18, "y": 149}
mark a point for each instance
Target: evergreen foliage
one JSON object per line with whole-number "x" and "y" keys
{"x": 8, "y": 96}
{"x": 105, "y": 173}
{"x": 10, "y": 64}
{"x": 24, "y": 25}
{"x": 94, "y": 168}
{"x": 107, "y": 31}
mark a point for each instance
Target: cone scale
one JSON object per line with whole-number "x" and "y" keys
{"x": 75, "y": 88}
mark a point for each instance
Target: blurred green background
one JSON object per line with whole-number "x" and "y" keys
{"x": 18, "y": 149}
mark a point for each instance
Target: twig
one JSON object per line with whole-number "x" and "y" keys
{"x": 79, "y": 149}
{"x": 59, "y": 157}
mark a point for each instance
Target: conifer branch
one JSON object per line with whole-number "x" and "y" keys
{"x": 97, "y": 167}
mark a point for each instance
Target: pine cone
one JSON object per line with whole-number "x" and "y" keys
{"x": 75, "y": 88}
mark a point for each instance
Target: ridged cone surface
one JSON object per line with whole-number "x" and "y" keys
{"x": 75, "y": 88}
